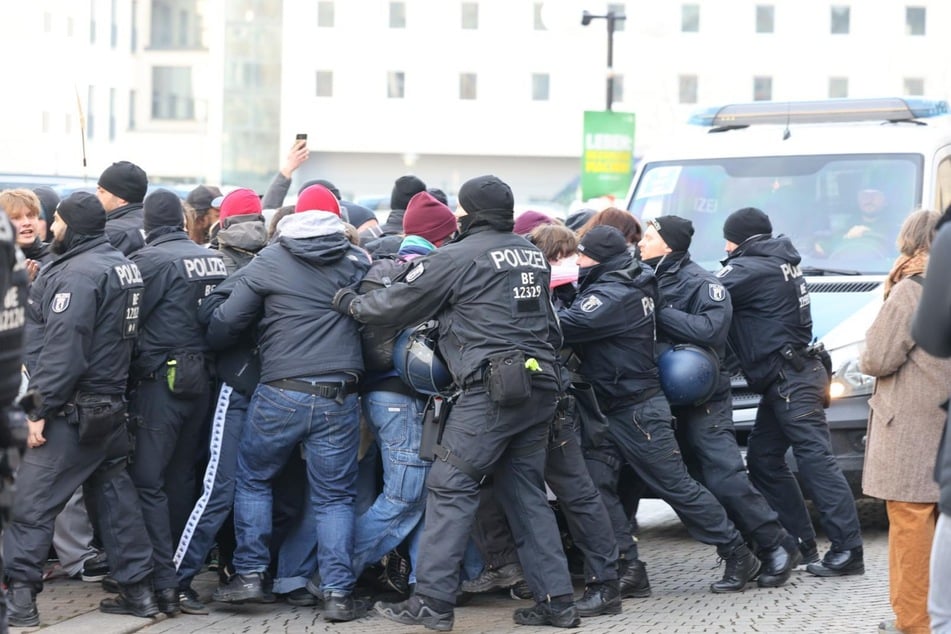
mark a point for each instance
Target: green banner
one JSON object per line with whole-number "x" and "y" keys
{"x": 608, "y": 157}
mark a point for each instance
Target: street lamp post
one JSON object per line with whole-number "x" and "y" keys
{"x": 611, "y": 18}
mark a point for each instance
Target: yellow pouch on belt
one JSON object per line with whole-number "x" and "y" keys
{"x": 170, "y": 366}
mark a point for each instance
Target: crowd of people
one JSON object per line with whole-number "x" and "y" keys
{"x": 228, "y": 375}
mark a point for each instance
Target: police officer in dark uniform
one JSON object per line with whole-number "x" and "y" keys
{"x": 81, "y": 327}
{"x": 170, "y": 370}
{"x": 610, "y": 325}
{"x": 13, "y": 288}
{"x": 695, "y": 309}
{"x": 121, "y": 188}
{"x": 489, "y": 291}
{"x": 770, "y": 335}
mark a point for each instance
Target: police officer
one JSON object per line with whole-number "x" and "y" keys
{"x": 13, "y": 285}
{"x": 121, "y": 188}
{"x": 79, "y": 338}
{"x": 489, "y": 291}
{"x": 172, "y": 383}
{"x": 610, "y": 325}
{"x": 695, "y": 309}
{"x": 770, "y": 334}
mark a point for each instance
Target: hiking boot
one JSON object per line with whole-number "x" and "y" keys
{"x": 21, "y": 605}
{"x": 136, "y": 599}
{"x": 241, "y": 589}
{"x": 741, "y": 566}
{"x": 600, "y": 598}
{"x": 545, "y": 613}
{"x": 520, "y": 591}
{"x": 633, "y": 581}
{"x": 494, "y": 579}
{"x": 396, "y": 573}
{"x": 778, "y": 565}
{"x": 189, "y": 601}
{"x": 168, "y": 601}
{"x": 301, "y": 597}
{"x": 416, "y": 611}
{"x": 839, "y": 563}
{"x": 95, "y": 568}
{"x": 339, "y": 606}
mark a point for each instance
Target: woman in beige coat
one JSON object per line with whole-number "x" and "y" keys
{"x": 904, "y": 427}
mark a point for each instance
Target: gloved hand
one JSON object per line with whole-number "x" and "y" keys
{"x": 342, "y": 300}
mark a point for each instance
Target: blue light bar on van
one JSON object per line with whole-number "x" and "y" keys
{"x": 822, "y": 111}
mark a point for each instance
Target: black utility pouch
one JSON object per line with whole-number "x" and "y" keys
{"x": 187, "y": 374}
{"x": 818, "y": 351}
{"x": 507, "y": 380}
{"x": 98, "y": 416}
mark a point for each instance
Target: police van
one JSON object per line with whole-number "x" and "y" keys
{"x": 838, "y": 177}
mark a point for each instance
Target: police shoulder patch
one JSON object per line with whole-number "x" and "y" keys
{"x": 717, "y": 292}
{"x": 591, "y": 304}
{"x": 60, "y": 302}
{"x": 414, "y": 273}
{"x": 725, "y": 271}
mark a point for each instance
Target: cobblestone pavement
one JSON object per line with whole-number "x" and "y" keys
{"x": 679, "y": 568}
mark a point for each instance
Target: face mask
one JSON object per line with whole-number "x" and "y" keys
{"x": 564, "y": 271}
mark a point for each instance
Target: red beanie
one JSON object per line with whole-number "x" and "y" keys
{"x": 528, "y": 220}
{"x": 428, "y": 218}
{"x": 317, "y": 198}
{"x": 240, "y": 202}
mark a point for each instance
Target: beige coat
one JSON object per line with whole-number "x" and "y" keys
{"x": 906, "y": 420}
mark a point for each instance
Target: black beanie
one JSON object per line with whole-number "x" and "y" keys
{"x": 675, "y": 231}
{"x": 125, "y": 180}
{"x": 405, "y": 188}
{"x": 83, "y": 213}
{"x": 320, "y": 181}
{"x": 48, "y": 201}
{"x": 163, "y": 208}
{"x": 744, "y": 223}
{"x": 486, "y": 193}
{"x": 602, "y": 242}
{"x": 358, "y": 214}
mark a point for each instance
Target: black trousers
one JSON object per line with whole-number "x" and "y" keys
{"x": 167, "y": 439}
{"x": 790, "y": 414}
{"x": 643, "y": 436}
{"x": 705, "y": 434}
{"x": 579, "y": 501}
{"x": 510, "y": 443}
{"x": 48, "y": 476}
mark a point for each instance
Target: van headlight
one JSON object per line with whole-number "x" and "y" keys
{"x": 847, "y": 379}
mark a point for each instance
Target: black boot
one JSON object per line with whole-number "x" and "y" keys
{"x": 419, "y": 610}
{"x": 21, "y": 605}
{"x": 168, "y": 601}
{"x": 633, "y": 581}
{"x": 741, "y": 566}
{"x": 136, "y": 599}
{"x": 548, "y": 613}
{"x": 839, "y": 563}
{"x": 778, "y": 565}
{"x": 600, "y": 598}
{"x": 241, "y": 588}
{"x": 339, "y": 606}
{"x": 810, "y": 553}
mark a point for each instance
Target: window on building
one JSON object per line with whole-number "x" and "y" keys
{"x": 112, "y": 114}
{"x": 839, "y": 20}
{"x": 687, "y": 90}
{"x": 172, "y": 96}
{"x": 92, "y": 21}
{"x": 325, "y": 14}
{"x": 765, "y": 18}
{"x": 762, "y": 88}
{"x": 470, "y": 15}
{"x": 175, "y": 24}
{"x": 539, "y": 24}
{"x": 467, "y": 85}
{"x": 914, "y": 86}
{"x": 690, "y": 18}
{"x": 617, "y": 8}
{"x": 90, "y": 112}
{"x": 183, "y": 29}
{"x": 618, "y": 93}
{"x": 397, "y": 15}
{"x": 540, "y": 83}
{"x": 325, "y": 83}
{"x": 838, "y": 87}
{"x": 132, "y": 110}
{"x": 113, "y": 26}
{"x": 396, "y": 84}
{"x": 915, "y": 20}
{"x": 134, "y": 35}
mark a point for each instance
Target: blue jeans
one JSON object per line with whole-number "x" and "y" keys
{"x": 329, "y": 433}
{"x": 396, "y": 421}
{"x": 217, "y": 498}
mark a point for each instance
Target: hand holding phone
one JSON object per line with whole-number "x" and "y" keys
{"x": 300, "y": 140}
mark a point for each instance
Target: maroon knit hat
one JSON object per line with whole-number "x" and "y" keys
{"x": 528, "y": 220}
{"x": 428, "y": 218}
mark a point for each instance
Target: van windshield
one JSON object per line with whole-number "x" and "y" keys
{"x": 843, "y": 212}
